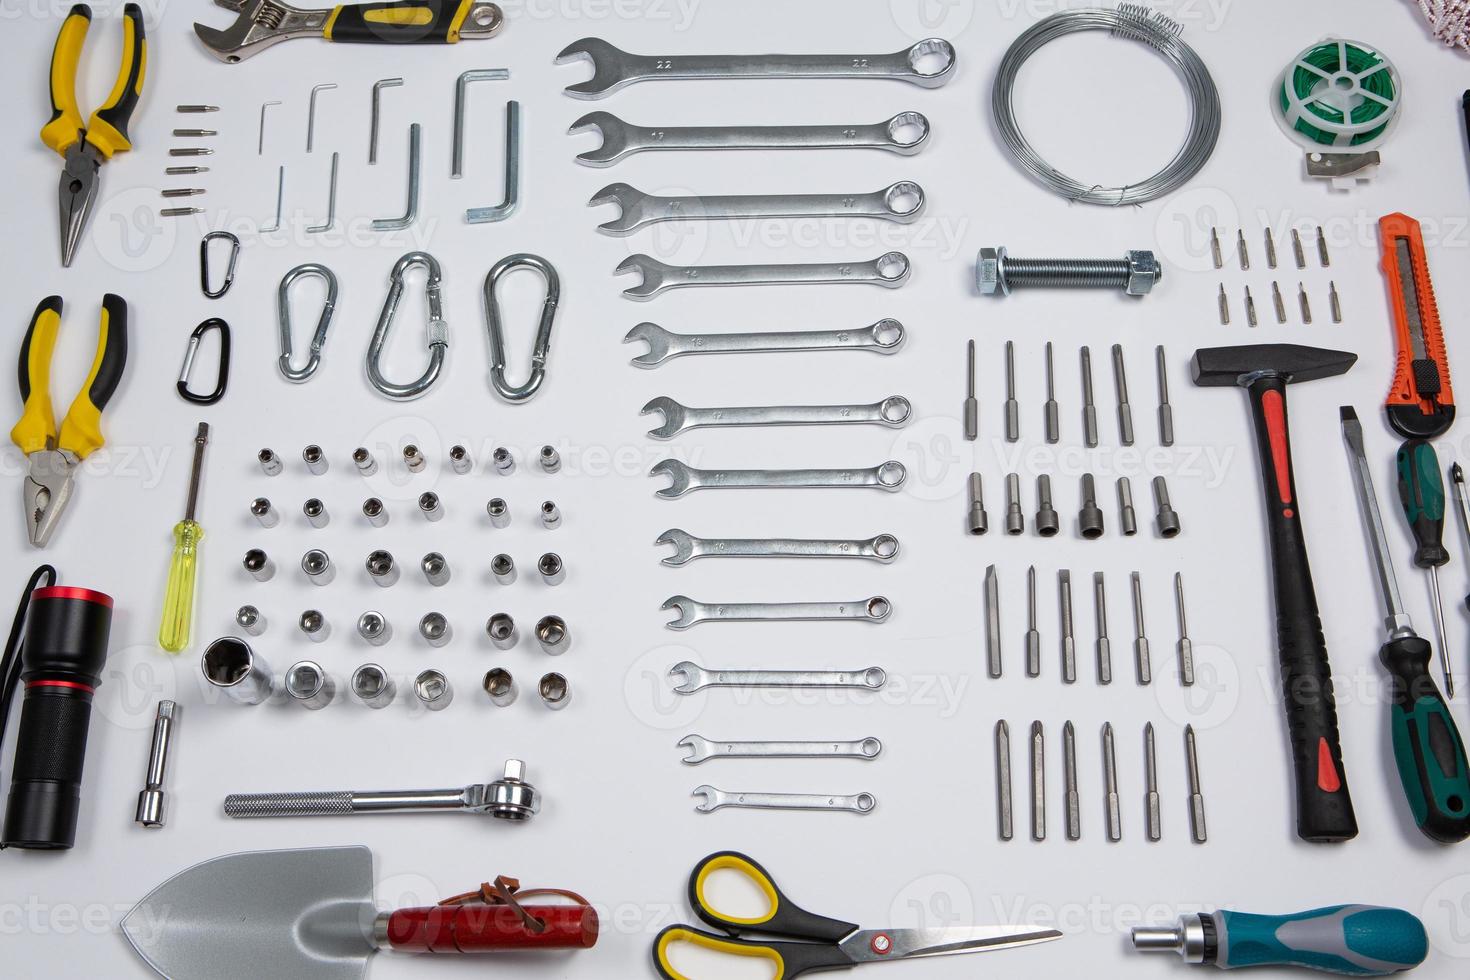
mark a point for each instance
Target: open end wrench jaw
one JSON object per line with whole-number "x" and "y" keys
{"x": 688, "y": 611}
{"x": 606, "y": 78}
{"x": 629, "y": 201}
{"x": 260, "y": 24}
{"x": 700, "y": 749}
{"x": 681, "y": 475}
{"x": 683, "y": 543}
{"x": 611, "y": 130}
{"x": 673, "y": 414}
{"x": 689, "y": 677}
{"x": 656, "y": 275}
{"x": 710, "y": 799}
{"x": 658, "y": 341}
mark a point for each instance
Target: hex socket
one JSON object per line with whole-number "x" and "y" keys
{"x": 550, "y": 459}
{"x": 459, "y": 459}
{"x": 363, "y": 460}
{"x": 375, "y": 511}
{"x": 553, "y": 635}
{"x": 435, "y": 629}
{"x": 505, "y": 463}
{"x": 231, "y": 667}
{"x": 430, "y": 506}
{"x": 503, "y": 568}
{"x": 1090, "y": 517}
{"x": 433, "y": 690}
{"x": 259, "y": 565}
{"x": 979, "y": 521}
{"x": 264, "y": 512}
{"x": 500, "y": 686}
{"x": 316, "y": 512}
{"x": 1047, "y": 521}
{"x": 414, "y": 459}
{"x": 372, "y": 686}
{"x": 555, "y": 692}
{"x": 374, "y": 627}
{"x": 314, "y": 624}
{"x": 1166, "y": 519}
{"x": 550, "y": 515}
{"x": 315, "y": 459}
{"x": 553, "y": 571}
{"x": 251, "y": 620}
{"x": 435, "y": 568}
{"x": 318, "y": 567}
{"x": 270, "y": 463}
{"x": 309, "y": 685}
{"x": 382, "y": 569}
{"x": 501, "y": 629}
{"x": 499, "y": 512}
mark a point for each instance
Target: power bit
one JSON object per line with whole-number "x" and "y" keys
{"x": 1141, "y": 659}
{"x": 992, "y": 622}
{"x": 1215, "y": 248}
{"x": 1334, "y": 303}
{"x": 1033, "y": 635}
{"x": 1015, "y": 519}
{"x": 1301, "y": 294}
{"x": 1047, "y": 521}
{"x": 1166, "y": 411}
{"x": 1069, "y": 781}
{"x": 196, "y": 108}
{"x": 979, "y": 521}
{"x": 1196, "y": 798}
{"x": 1151, "y": 778}
{"x": 171, "y": 192}
{"x": 1003, "y": 780}
{"x": 1038, "y": 782}
{"x": 1250, "y": 308}
{"x": 1224, "y": 302}
{"x": 1052, "y": 417}
{"x": 151, "y": 810}
{"x": 1184, "y": 648}
{"x": 1069, "y": 642}
{"x": 972, "y": 407}
{"x": 1322, "y": 255}
{"x": 189, "y": 151}
{"x": 1100, "y": 616}
{"x": 179, "y": 212}
{"x": 1245, "y": 255}
{"x": 1278, "y": 302}
{"x": 1013, "y": 407}
{"x": 1089, "y": 408}
{"x": 1127, "y": 516}
{"x": 1090, "y": 516}
{"x": 1296, "y": 249}
{"x": 1270, "y": 249}
{"x": 1114, "y": 811}
{"x": 196, "y": 132}
{"x": 181, "y": 171}
{"x": 1120, "y": 386}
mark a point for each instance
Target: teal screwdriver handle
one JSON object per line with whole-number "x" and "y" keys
{"x": 1427, "y": 747}
{"x": 1355, "y": 940}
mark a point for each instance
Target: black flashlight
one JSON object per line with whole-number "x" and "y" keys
{"x": 60, "y": 663}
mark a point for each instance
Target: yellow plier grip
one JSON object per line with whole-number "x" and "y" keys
{"x": 37, "y": 426}
{"x": 64, "y": 129}
{"x": 107, "y": 129}
{"x": 81, "y": 430}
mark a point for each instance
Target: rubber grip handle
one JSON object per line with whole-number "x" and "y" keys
{"x": 1354, "y": 940}
{"x": 1427, "y": 747}
{"x": 46, "y": 782}
{"x": 81, "y": 430}
{"x": 412, "y": 22}
{"x": 788, "y": 959}
{"x": 783, "y": 916}
{"x": 107, "y": 130}
{"x": 1324, "y": 808}
{"x": 37, "y": 425}
{"x": 480, "y": 928}
{"x": 177, "y": 624}
{"x": 64, "y": 128}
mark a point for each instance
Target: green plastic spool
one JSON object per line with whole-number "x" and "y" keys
{"x": 1339, "y": 93}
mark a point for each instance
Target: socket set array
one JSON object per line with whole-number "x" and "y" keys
{"x": 1278, "y": 302}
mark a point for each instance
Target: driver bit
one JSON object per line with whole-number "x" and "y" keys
{"x": 1038, "y": 782}
{"x": 1278, "y": 302}
{"x": 1089, "y": 409}
{"x": 1296, "y": 248}
{"x": 1120, "y": 385}
{"x": 979, "y": 522}
{"x": 1196, "y": 798}
{"x": 1069, "y": 780}
{"x": 1015, "y": 519}
{"x": 1140, "y": 637}
{"x": 1069, "y": 643}
{"x": 1245, "y": 255}
{"x": 1033, "y": 635}
{"x": 1151, "y": 778}
{"x": 1003, "y": 778}
{"x": 1110, "y": 780}
{"x": 1185, "y": 647}
{"x": 1270, "y": 249}
{"x": 972, "y": 407}
{"x": 992, "y": 622}
{"x": 1013, "y": 407}
{"x": 1166, "y": 411}
{"x": 1052, "y": 417}
{"x": 1100, "y": 615}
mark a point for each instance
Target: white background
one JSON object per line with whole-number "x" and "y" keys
{"x": 618, "y": 823}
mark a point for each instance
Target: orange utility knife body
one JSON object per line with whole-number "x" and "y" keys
{"x": 1420, "y": 403}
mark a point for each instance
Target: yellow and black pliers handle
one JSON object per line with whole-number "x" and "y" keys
{"x": 81, "y": 431}
{"x": 106, "y": 132}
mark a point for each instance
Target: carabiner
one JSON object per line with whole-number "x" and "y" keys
{"x": 222, "y": 378}
{"x": 437, "y": 333}
{"x": 229, "y": 270}
{"x": 283, "y": 315}
{"x": 542, "y": 346}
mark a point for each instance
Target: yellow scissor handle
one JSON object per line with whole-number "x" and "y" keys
{"x": 65, "y": 126}
{"x": 36, "y": 429}
{"x": 782, "y": 916}
{"x": 81, "y": 430}
{"x": 674, "y": 935}
{"x": 107, "y": 130}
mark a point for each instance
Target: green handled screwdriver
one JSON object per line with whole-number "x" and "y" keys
{"x": 1355, "y": 940}
{"x": 1426, "y": 744}
{"x": 1421, "y": 491}
{"x": 178, "y": 600}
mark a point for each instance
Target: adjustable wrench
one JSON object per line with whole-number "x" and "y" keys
{"x": 929, "y": 63}
{"x": 885, "y": 476}
{"x": 892, "y": 411}
{"x": 692, "y": 612}
{"x": 884, "y": 336}
{"x": 903, "y": 133}
{"x": 702, "y": 749}
{"x": 712, "y": 799}
{"x": 690, "y": 677}
{"x": 890, "y": 269}
{"x": 902, "y": 202}
{"x": 883, "y": 547}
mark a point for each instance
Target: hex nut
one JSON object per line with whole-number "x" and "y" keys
{"x": 1144, "y": 272}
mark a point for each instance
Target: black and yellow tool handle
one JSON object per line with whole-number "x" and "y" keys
{"x": 410, "y": 22}
{"x": 782, "y": 917}
{"x": 81, "y": 430}
{"x": 107, "y": 130}
{"x": 1427, "y": 747}
{"x": 788, "y": 959}
{"x": 37, "y": 426}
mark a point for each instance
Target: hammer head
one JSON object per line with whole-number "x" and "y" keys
{"x": 1215, "y": 367}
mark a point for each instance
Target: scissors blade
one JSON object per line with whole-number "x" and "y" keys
{"x": 870, "y": 945}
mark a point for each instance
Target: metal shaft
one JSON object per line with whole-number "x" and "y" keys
{"x": 1013, "y": 407}
{"x": 1069, "y": 779}
{"x": 1004, "y": 807}
{"x": 151, "y": 801}
{"x": 201, "y": 439}
{"x": 1033, "y": 635}
{"x": 972, "y": 406}
{"x": 1113, "y": 812}
{"x": 1052, "y": 417}
{"x": 1151, "y": 780}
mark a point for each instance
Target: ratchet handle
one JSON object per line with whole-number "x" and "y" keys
{"x": 107, "y": 130}
{"x": 1354, "y": 940}
{"x": 411, "y": 22}
{"x": 1427, "y": 747}
{"x": 484, "y": 928}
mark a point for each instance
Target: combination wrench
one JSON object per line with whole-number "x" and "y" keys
{"x": 904, "y": 133}
{"x": 892, "y": 411}
{"x": 884, "y": 337}
{"x": 928, "y": 63}
{"x": 692, "y": 612}
{"x": 882, "y": 548}
{"x": 689, "y": 678}
{"x": 902, "y": 202}
{"x": 702, "y": 749}
{"x": 711, "y": 799}
{"x": 685, "y": 478}
{"x": 891, "y": 269}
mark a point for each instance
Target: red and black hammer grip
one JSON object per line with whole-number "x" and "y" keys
{"x": 1324, "y": 808}
{"x": 410, "y": 22}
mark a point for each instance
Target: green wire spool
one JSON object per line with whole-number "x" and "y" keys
{"x": 1339, "y": 93}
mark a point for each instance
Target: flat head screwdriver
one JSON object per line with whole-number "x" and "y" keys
{"x": 178, "y": 600}
{"x": 1421, "y": 492}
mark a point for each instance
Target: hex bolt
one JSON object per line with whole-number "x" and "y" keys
{"x": 318, "y": 567}
{"x": 309, "y": 685}
{"x": 316, "y": 512}
{"x": 1090, "y": 517}
{"x": 363, "y": 460}
{"x": 501, "y": 629}
{"x": 435, "y": 629}
{"x": 505, "y": 463}
{"x": 314, "y": 625}
{"x": 550, "y": 515}
{"x": 382, "y": 569}
{"x": 459, "y": 459}
{"x": 1015, "y": 520}
{"x": 550, "y": 459}
{"x": 375, "y": 511}
{"x": 1127, "y": 517}
{"x": 979, "y": 521}
{"x": 251, "y": 620}
{"x": 996, "y": 273}
{"x": 414, "y": 459}
{"x": 1047, "y": 521}
{"x": 430, "y": 506}
{"x": 374, "y": 627}
{"x": 258, "y": 564}
{"x": 266, "y": 514}
{"x": 432, "y": 689}
{"x": 499, "y": 686}
{"x": 373, "y": 687}
{"x": 553, "y": 572}
{"x": 553, "y": 635}
{"x": 435, "y": 568}
{"x": 315, "y": 459}
{"x": 555, "y": 692}
{"x": 269, "y": 462}
{"x": 1165, "y": 517}
{"x": 499, "y": 512}
{"x": 503, "y": 568}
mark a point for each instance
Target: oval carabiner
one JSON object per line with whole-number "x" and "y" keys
{"x": 283, "y": 315}
{"x": 222, "y": 378}
{"x": 229, "y": 270}
{"x": 437, "y": 331}
{"x": 542, "y": 346}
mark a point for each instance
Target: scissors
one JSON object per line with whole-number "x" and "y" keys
{"x": 826, "y": 944}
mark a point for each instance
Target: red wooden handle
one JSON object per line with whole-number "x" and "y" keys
{"x": 479, "y": 928}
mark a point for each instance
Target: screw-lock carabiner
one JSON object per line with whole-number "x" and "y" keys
{"x": 542, "y": 346}
{"x": 437, "y": 334}
{"x": 222, "y": 378}
{"x": 283, "y": 315}
{"x": 229, "y": 270}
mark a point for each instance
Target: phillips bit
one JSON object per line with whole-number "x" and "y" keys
{"x": 972, "y": 407}
{"x": 1003, "y": 779}
{"x": 1052, "y": 417}
{"x": 1114, "y": 812}
{"x": 196, "y": 108}
{"x": 1215, "y": 248}
{"x": 1196, "y": 798}
{"x": 1270, "y": 249}
{"x": 979, "y": 521}
{"x": 1224, "y": 302}
{"x": 189, "y": 151}
{"x": 1120, "y": 386}
{"x": 1013, "y": 407}
{"x": 1166, "y": 411}
{"x": 1033, "y": 635}
{"x": 1322, "y": 255}
{"x": 1141, "y": 658}
{"x": 1089, "y": 409}
{"x": 992, "y": 622}
{"x": 1250, "y": 308}
{"x": 1278, "y": 302}
{"x": 1296, "y": 249}
{"x": 1015, "y": 519}
{"x": 181, "y": 192}
{"x": 196, "y": 132}
{"x": 1151, "y": 777}
{"x": 1069, "y": 782}
{"x": 1038, "y": 782}
{"x": 1301, "y": 295}
{"x": 1100, "y": 613}
{"x": 1184, "y": 647}
{"x": 1334, "y": 302}
{"x": 1069, "y": 643}
{"x": 1245, "y": 255}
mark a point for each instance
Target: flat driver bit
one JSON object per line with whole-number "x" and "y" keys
{"x": 1069, "y": 643}
{"x": 1089, "y": 408}
{"x": 972, "y": 406}
{"x": 1125, "y": 410}
{"x": 1114, "y": 812}
{"x": 1185, "y": 647}
{"x": 1142, "y": 660}
{"x": 1069, "y": 779}
{"x": 1038, "y": 782}
{"x": 1033, "y": 635}
{"x": 1013, "y": 407}
{"x": 992, "y": 622}
{"x": 1196, "y": 798}
{"x": 1003, "y": 779}
{"x": 1100, "y": 614}
{"x": 1151, "y": 779}
{"x": 1052, "y": 417}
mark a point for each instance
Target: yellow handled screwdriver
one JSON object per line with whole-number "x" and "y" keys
{"x": 178, "y": 600}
